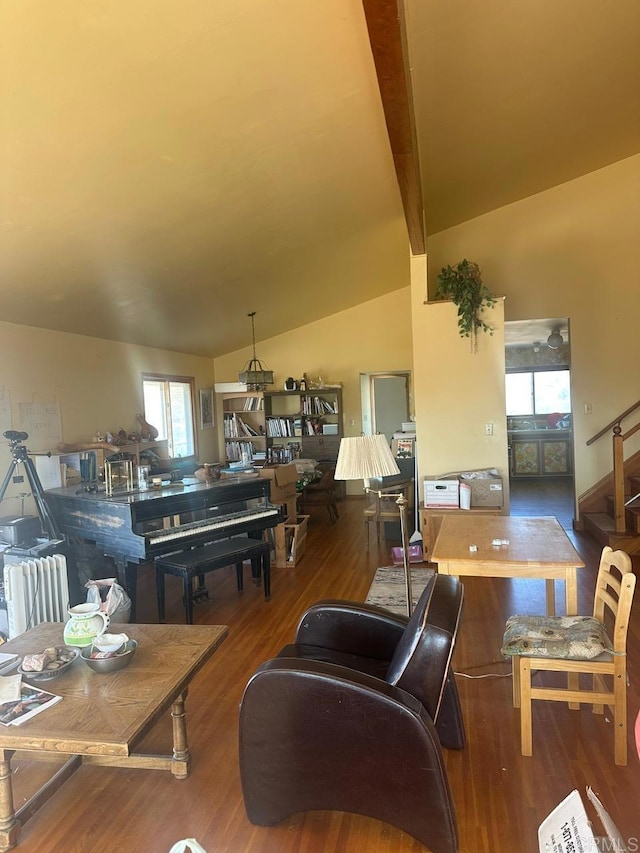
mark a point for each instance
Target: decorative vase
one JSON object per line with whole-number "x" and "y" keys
{"x": 147, "y": 432}
{"x": 86, "y": 622}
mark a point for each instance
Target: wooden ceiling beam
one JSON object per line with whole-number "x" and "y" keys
{"x": 386, "y": 27}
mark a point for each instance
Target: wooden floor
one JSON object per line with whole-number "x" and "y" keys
{"x": 500, "y": 796}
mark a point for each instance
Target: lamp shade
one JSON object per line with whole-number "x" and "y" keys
{"x": 363, "y": 457}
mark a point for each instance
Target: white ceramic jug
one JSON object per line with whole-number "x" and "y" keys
{"x": 86, "y": 623}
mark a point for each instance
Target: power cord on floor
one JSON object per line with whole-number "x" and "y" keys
{"x": 465, "y": 673}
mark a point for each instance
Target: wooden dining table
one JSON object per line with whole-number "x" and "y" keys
{"x": 510, "y": 547}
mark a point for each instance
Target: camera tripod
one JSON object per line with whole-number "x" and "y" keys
{"x": 20, "y": 456}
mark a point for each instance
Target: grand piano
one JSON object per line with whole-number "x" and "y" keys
{"x": 135, "y": 527}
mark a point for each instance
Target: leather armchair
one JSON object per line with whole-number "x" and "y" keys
{"x": 353, "y": 715}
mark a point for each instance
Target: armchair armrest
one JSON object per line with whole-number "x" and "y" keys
{"x": 317, "y": 736}
{"x": 351, "y": 627}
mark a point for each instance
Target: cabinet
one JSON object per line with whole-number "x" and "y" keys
{"x": 304, "y": 424}
{"x": 243, "y": 415}
{"x": 541, "y": 456}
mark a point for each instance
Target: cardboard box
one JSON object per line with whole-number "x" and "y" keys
{"x": 283, "y": 481}
{"x": 568, "y": 828}
{"x": 486, "y": 485}
{"x": 485, "y": 491}
{"x": 441, "y": 493}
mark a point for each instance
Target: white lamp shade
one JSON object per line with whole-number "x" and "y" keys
{"x": 364, "y": 457}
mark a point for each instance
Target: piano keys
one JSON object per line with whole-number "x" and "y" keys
{"x": 135, "y": 527}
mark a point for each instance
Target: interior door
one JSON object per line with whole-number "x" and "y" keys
{"x": 389, "y": 402}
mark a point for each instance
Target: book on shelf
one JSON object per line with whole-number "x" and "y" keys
{"x": 253, "y": 404}
{"x": 32, "y": 701}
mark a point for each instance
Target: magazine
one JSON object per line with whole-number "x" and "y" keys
{"x": 32, "y": 701}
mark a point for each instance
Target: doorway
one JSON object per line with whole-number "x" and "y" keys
{"x": 386, "y": 402}
{"x": 539, "y": 414}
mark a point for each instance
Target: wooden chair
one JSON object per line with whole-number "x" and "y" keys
{"x": 594, "y": 645}
{"x": 322, "y": 492}
{"x": 382, "y": 507}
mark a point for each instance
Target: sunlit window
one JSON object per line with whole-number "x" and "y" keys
{"x": 538, "y": 392}
{"x": 168, "y": 406}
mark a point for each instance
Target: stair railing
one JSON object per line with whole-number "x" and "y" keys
{"x": 618, "y": 463}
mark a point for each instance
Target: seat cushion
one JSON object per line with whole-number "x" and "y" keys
{"x": 574, "y": 637}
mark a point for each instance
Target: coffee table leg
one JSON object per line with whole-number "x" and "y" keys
{"x": 181, "y": 758}
{"x": 9, "y": 826}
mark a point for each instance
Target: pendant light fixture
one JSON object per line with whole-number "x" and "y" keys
{"x": 254, "y": 374}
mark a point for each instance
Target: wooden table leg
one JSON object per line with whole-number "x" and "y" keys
{"x": 571, "y": 592}
{"x": 181, "y": 759}
{"x": 9, "y": 826}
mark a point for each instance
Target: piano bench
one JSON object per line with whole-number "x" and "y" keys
{"x": 198, "y": 561}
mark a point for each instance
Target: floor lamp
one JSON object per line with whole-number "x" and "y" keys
{"x": 364, "y": 457}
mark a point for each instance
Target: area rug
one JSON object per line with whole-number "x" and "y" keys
{"x": 388, "y": 587}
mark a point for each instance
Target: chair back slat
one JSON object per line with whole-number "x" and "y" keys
{"x": 614, "y": 565}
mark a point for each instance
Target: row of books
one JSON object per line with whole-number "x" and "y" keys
{"x": 253, "y": 404}
{"x": 284, "y": 455}
{"x": 318, "y": 406}
{"x": 283, "y": 427}
{"x": 236, "y": 427}
{"x": 237, "y": 450}
{"x": 293, "y": 427}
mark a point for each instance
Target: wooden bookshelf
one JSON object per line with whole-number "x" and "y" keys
{"x": 244, "y": 425}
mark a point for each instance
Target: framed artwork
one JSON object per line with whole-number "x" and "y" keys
{"x": 206, "y": 408}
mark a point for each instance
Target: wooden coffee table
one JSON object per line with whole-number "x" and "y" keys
{"x": 103, "y": 717}
{"x": 538, "y": 548}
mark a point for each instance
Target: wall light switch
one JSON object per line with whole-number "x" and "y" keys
{"x": 587, "y": 409}
{"x": 488, "y": 429}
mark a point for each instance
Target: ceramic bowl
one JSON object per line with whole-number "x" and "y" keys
{"x": 112, "y": 664}
{"x": 64, "y": 658}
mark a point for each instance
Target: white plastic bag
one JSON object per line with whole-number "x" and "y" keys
{"x": 187, "y": 844}
{"x": 111, "y": 597}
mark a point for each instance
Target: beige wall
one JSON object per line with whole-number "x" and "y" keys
{"x": 457, "y": 391}
{"x": 571, "y": 251}
{"x": 96, "y": 383}
{"x": 374, "y": 336}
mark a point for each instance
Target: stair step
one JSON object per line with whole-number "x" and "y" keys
{"x": 602, "y": 527}
{"x": 632, "y": 512}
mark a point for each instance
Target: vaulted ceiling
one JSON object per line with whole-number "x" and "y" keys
{"x": 167, "y": 167}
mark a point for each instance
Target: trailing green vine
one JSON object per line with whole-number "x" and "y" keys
{"x": 463, "y": 285}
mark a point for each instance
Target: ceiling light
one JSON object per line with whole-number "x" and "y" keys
{"x": 254, "y": 374}
{"x": 555, "y": 340}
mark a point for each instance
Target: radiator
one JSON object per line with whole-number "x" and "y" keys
{"x": 36, "y": 591}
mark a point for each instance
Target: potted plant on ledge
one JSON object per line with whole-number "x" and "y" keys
{"x": 463, "y": 285}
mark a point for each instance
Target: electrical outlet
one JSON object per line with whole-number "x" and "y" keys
{"x": 488, "y": 429}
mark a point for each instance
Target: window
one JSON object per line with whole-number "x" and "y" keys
{"x": 538, "y": 392}
{"x": 168, "y": 406}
